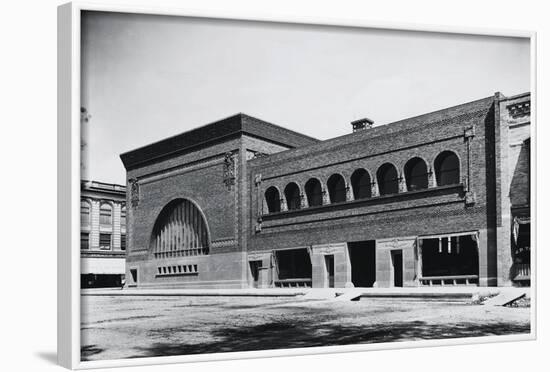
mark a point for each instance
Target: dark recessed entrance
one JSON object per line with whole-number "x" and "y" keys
{"x": 255, "y": 272}
{"x": 363, "y": 263}
{"x": 293, "y": 268}
{"x": 397, "y": 266}
{"x": 329, "y": 262}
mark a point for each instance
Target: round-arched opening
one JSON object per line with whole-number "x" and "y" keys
{"x": 388, "y": 182}
{"x": 447, "y": 169}
{"x": 314, "y": 192}
{"x": 336, "y": 188}
{"x": 292, "y": 195}
{"x": 106, "y": 214}
{"x": 180, "y": 230}
{"x": 360, "y": 184}
{"x": 273, "y": 199}
{"x": 416, "y": 174}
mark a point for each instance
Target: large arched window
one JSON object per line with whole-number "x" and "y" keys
{"x": 292, "y": 195}
{"x": 314, "y": 192}
{"x": 416, "y": 174}
{"x": 360, "y": 183}
{"x": 85, "y": 210}
{"x": 273, "y": 199}
{"x": 447, "y": 169}
{"x": 106, "y": 214}
{"x": 336, "y": 188}
{"x": 388, "y": 182}
{"x": 180, "y": 230}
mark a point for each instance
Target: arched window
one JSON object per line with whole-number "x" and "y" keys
{"x": 388, "y": 182}
{"x": 273, "y": 199}
{"x": 447, "y": 169}
{"x": 292, "y": 195}
{"x": 106, "y": 214}
{"x": 314, "y": 192}
{"x": 416, "y": 174}
{"x": 360, "y": 183}
{"x": 336, "y": 188}
{"x": 180, "y": 230}
{"x": 85, "y": 209}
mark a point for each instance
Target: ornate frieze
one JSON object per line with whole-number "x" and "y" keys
{"x": 326, "y": 249}
{"x": 223, "y": 243}
{"x": 519, "y": 109}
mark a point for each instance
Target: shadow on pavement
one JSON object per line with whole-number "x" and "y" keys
{"x": 287, "y": 334}
{"x": 89, "y": 350}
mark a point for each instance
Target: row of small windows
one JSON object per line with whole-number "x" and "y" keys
{"x": 446, "y": 167}
{"x": 105, "y": 214}
{"x": 177, "y": 270}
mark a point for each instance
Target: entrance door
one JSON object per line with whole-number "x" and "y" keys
{"x": 397, "y": 261}
{"x": 134, "y": 275}
{"x": 329, "y": 261}
{"x": 363, "y": 263}
{"x": 255, "y": 272}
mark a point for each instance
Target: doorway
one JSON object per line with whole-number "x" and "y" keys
{"x": 329, "y": 262}
{"x": 255, "y": 272}
{"x": 397, "y": 265}
{"x": 363, "y": 263}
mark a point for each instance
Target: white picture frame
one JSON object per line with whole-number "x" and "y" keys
{"x": 69, "y": 182}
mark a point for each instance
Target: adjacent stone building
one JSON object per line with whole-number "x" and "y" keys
{"x": 438, "y": 199}
{"x": 102, "y": 234}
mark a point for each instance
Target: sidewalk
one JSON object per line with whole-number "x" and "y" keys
{"x": 414, "y": 292}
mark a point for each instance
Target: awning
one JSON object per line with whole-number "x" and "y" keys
{"x": 103, "y": 265}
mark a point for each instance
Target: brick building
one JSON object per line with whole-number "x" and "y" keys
{"x": 102, "y": 234}
{"x": 438, "y": 199}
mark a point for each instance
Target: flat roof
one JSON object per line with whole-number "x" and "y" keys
{"x": 218, "y": 131}
{"x": 113, "y": 188}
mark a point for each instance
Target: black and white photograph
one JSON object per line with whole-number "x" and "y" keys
{"x": 251, "y": 185}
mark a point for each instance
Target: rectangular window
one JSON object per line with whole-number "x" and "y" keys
{"x": 84, "y": 241}
{"x": 84, "y": 214}
{"x": 105, "y": 215}
{"x": 105, "y": 241}
{"x": 123, "y": 242}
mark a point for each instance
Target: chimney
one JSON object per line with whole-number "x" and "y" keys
{"x": 361, "y": 124}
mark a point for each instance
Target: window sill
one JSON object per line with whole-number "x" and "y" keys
{"x": 176, "y": 274}
{"x": 101, "y": 253}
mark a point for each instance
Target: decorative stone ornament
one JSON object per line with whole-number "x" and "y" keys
{"x": 229, "y": 170}
{"x": 519, "y": 109}
{"x": 258, "y": 179}
{"x": 134, "y": 192}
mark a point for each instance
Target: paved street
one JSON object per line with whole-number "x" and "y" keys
{"x": 142, "y": 326}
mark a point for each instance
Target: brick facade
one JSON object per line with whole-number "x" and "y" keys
{"x": 226, "y": 171}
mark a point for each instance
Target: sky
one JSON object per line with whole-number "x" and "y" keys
{"x": 147, "y": 77}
